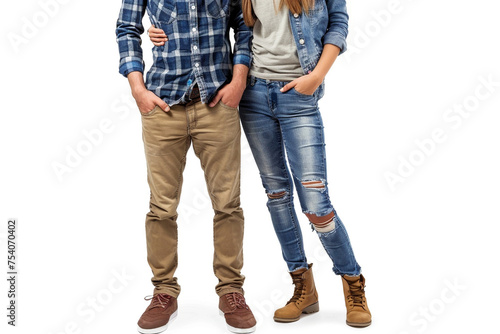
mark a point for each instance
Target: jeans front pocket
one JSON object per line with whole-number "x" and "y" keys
{"x": 301, "y": 94}
{"x": 298, "y": 104}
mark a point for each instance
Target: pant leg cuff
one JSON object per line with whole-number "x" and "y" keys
{"x": 224, "y": 291}
{"x": 169, "y": 291}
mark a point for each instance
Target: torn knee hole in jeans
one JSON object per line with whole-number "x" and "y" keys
{"x": 276, "y": 195}
{"x": 322, "y": 223}
{"x": 316, "y": 184}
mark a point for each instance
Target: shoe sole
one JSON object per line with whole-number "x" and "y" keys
{"x": 308, "y": 310}
{"x": 159, "y": 329}
{"x": 358, "y": 324}
{"x": 238, "y": 330}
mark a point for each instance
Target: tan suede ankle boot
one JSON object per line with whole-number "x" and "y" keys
{"x": 358, "y": 314}
{"x": 304, "y": 300}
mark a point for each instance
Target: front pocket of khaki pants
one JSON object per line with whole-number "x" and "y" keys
{"x": 150, "y": 113}
{"x": 227, "y": 107}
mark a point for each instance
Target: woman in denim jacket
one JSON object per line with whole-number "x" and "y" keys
{"x": 294, "y": 45}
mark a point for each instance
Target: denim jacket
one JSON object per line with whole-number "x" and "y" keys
{"x": 327, "y": 23}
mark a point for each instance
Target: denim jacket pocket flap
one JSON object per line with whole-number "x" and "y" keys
{"x": 319, "y": 5}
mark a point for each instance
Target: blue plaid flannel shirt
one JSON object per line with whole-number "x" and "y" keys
{"x": 198, "y": 49}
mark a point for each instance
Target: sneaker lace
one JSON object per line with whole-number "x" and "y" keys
{"x": 159, "y": 300}
{"x": 236, "y": 300}
{"x": 299, "y": 288}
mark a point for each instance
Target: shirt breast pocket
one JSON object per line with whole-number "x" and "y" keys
{"x": 217, "y": 8}
{"x": 162, "y": 11}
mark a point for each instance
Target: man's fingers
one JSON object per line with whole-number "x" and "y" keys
{"x": 165, "y": 107}
{"x": 215, "y": 100}
{"x": 162, "y": 104}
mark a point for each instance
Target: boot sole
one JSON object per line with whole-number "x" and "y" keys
{"x": 308, "y": 310}
{"x": 358, "y": 324}
{"x": 238, "y": 330}
{"x": 159, "y": 329}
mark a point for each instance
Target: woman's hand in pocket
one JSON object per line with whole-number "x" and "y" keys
{"x": 306, "y": 84}
{"x": 157, "y": 36}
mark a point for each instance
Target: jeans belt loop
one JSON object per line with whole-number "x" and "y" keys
{"x": 252, "y": 80}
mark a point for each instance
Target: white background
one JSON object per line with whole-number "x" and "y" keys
{"x": 394, "y": 86}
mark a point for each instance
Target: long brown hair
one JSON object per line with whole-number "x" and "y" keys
{"x": 296, "y": 6}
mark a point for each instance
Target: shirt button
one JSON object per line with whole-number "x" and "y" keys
{"x": 301, "y": 41}
{"x": 295, "y": 15}
{"x": 193, "y": 7}
{"x": 195, "y": 47}
{"x": 197, "y": 65}
{"x": 194, "y": 29}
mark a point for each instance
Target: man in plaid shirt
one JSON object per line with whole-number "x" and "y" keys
{"x": 191, "y": 95}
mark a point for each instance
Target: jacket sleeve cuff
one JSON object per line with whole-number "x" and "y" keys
{"x": 336, "y": 39}
{"x": 131, "y": 66}
{"x": 242, "y": 59}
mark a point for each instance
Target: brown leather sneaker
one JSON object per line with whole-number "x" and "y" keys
{"x": 160, "y": 312}
{"x": 239, "y": 317}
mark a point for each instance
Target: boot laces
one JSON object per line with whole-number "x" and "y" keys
{"x": 236, "y": 300}
{"x": 357, "y": 294}
{"x": 159, "y": 300}
{"x": 298, "y": 292}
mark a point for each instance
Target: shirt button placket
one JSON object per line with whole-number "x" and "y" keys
{"x": 194, "y": 39}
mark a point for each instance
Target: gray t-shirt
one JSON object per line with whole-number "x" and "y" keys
{"x": 275, "y": 54}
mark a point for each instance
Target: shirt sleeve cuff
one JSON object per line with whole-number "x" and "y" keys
{"x": 242, "y": 59}
{"x": 337, "y": 40}
{"x": 131, "y": 66}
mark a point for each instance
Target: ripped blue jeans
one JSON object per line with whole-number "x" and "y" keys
{"x": 275, "y": 123}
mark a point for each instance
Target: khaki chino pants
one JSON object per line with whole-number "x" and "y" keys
{"x": 215, "y": 134}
